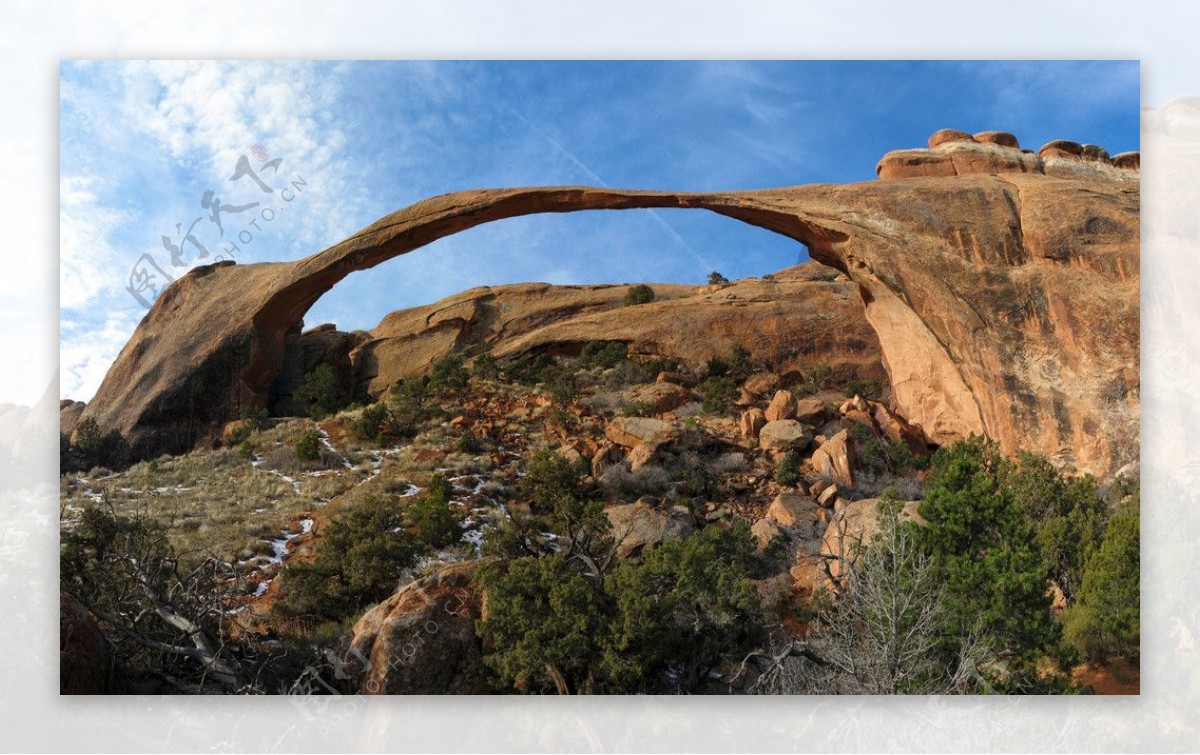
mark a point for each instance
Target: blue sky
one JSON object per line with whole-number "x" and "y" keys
{"x": 141, "y": 143}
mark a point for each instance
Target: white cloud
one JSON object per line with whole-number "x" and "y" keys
{"x": 85, "y": 251}
{"x": 206, "y": 114}
{"x": 88, "y": 348}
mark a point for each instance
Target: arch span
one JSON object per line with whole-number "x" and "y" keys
{"x": 938, "y": 261}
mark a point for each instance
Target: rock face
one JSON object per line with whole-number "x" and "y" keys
{"x": 1004, "y": 298}
{"x": 421, "y": 641}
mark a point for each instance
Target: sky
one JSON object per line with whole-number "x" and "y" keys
{"x": 296, "y": 155}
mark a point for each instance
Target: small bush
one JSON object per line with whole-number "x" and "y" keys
{"x": 715, "y": 278}
{"x": 719, "y": 393}
{"x": 603, "y": 354}
{"x": 530, "y": 370}
{"x": 429, "y": 513}
{"x": 740, "y": 365}
{"x": 371, "y": 423}
{"x": 322, "y": 392}
{"x": 259, "y": 417}
{"x": 95, "y": 448}
{"x": 787, "y": 471}
{"x": 868, "y": 389}
{"x": 448, "y": 375}
{"x": 485, "y": 367}
{"x": 308, "y": 448}
{"x": 639, "y": 294}
{"x": 638, "y": 409}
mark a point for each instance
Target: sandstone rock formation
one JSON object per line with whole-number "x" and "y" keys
{"x": 421, "y": 640}
{"x": 637, "y": 526}
{"x": 1003, "y": 288}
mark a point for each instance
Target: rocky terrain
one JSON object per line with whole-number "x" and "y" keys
{"x": 576, "y": 434}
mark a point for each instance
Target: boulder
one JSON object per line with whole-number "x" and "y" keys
{"x": 783, "y": 406}
{"x": 677, "y": 378}
{"x": 421, "y": 640}
{"x": 811, "y": 411}
{"x": 637, "y": 526}
{"x": 1128, "y": 161}
{"x": 894, "y": 427}
{"x": 659, "y": 397}
{"x": 798, "y": 512}
{"x": 605, "y": 455}
{"x": 999, "y": 138}
{"x": 947, "y": 135}
{"x": 765, "y": 532}
{"x": 784, "y": 435}
{"x": 1061, "y": 148}
{"x": 855, "y": 525}
{"x": 915, "y": 163}
{"x": 833, "y": 460}
{"x": 751, "y": 422}
{"x": 1095, "y": 153}
{"x": 633, "y": 431}
{"x": 828, "y": 497}
{"x": 761, "y": 383}
{"x": 641, "y": 455}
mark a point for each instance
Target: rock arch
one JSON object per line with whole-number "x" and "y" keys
{"x": 963, "y": 278}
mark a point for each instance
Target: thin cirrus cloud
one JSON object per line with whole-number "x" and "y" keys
{"x": 142, "y": 141}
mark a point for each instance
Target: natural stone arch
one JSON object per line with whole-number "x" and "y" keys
{"x": 937, "y": 260}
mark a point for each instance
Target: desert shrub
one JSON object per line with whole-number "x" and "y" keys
{"x": 429, "y": 514}
{"x": 485, "y": 367}
{"x": 550, "y": 479}
{"x": 718, "y": 394}
{"x": 882, "y": 456}
{"x": 740, "y": 364}
{"x": 1106, "y": 618}
{"x": 638, "y": 409}
{"x": 603, "y": 354}
{"x": 649, "y": 479}
{"x": 529, "y": 370}
{"x": 163, "y": 613}
{"x": 639, "y": 294}
{"x": 321, "y": 391}
{"x": 986, "y": 554}
{"x": 716, "y": 367}
{"x": 787, "y": 469}
{"x": 93, "y": 447}
{"x": 865, "y": 387}
{"x": 372, "y": 422}
{"x": 259, "y": 417}
{"x": 360, "y": 560}
{"x": 448, "y": 375}
{"x": 816, "y": 378}
{"x": 658, "y": 624}
{"x": 308, "y": 447}
{"x": 715, "y": 278}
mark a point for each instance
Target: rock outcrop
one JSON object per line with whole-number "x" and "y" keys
{"x": 637, "y": 526}
{"x": 1004, "y": 298}
{"x": 421, "y": 640}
